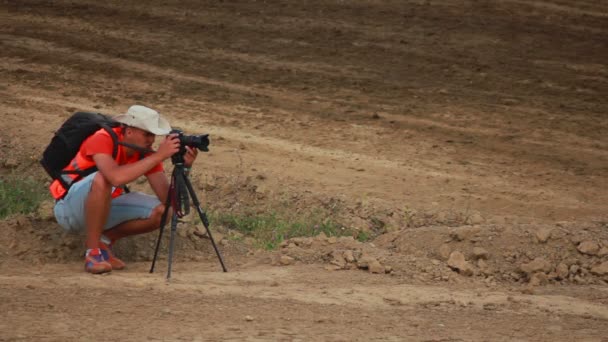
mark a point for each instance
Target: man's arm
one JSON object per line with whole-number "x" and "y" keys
{"x": 122, "y": 174}
{"x": 159, "y": 183}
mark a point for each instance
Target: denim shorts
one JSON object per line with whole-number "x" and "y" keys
{"x": 70, "y": 211}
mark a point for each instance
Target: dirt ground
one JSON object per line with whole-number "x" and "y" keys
{"x": 466, "y": 139}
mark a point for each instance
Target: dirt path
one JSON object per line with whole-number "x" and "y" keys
{"x": 290, "y": 303}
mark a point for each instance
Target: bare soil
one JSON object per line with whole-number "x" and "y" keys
{"x": 465, "y": 139}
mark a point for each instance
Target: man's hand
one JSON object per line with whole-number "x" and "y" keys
{"x": 190, "y": 156}
{"x": 168, "y": 147}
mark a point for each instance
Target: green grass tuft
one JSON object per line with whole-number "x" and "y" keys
{"x": 20, "y": 195}
{"x": 270, "y": 229}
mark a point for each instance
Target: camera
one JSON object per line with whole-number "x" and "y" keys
{"x": 200, "y": 142}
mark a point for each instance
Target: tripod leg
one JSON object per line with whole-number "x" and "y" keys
{"x": 204, "y": 219}
{"x": 172, "y": 243}
{"x": 163, "y": 221}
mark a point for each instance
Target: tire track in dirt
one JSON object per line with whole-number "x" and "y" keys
{"x": 598, "y": 10}
{"x": 261, "y": 284}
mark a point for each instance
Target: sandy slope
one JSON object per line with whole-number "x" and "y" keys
{"x": 459, "y": 111}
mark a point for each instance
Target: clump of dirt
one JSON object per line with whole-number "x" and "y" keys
{"x": 39, "y": 240}
{"x": 535, "y": 254}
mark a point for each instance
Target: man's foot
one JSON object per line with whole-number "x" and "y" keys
{"x": 108, "y": 256}
{"x": 94, "y": 262}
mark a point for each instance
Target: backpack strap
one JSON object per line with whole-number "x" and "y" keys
{"x": 67, "y": 182}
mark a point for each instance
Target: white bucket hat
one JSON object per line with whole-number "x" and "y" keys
{"x": 146, "y": 119}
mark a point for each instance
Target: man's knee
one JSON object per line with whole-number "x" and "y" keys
{"x": 157, "y": 214}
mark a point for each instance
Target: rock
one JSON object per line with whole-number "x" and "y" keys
{"x": 10, "y": 163}
{"x": 286, "y": 260}
{"x": 365, "y": 261}
{"x": 46, "y": 211}
{"x": 538, "y": 278}
{"x": 444, "y": 251}
{"x": 576, "y": 239}
{"x": 543, "y": 234}
{"x": 476, "y": 218}
{"x": 332, "y": 240}
{"x": 602, "y": 252}
{"x": 182, "y": 232}
{"x": 249, "y": 318}
{"x": 458, "y": 263}
{"x": 588, "y": 247}
{"x": 22, "y": 221}
{"x": 321, "y": 237}
{"x": 537, "y": 265}
{"x": 376, "y": 267}
{"x": 217, "y": 237}
{"x": 338, "y": 259}
{"x": 480, "y": 253}
{"x": 562, "y": 271}
{"x": 349, "y": 256}
{"x": 464, "y": 233}
{"x": 574, "y": 269}
{"x": 601, "y": 269}
{"x": 484, "y": 267}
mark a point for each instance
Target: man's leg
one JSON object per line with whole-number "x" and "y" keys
{"x": 137, "y": 226}
{"x": 97, "y": 208}
{"x": 85, "y": 208}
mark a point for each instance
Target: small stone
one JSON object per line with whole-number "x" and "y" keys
{"x": 562, "y": 271}
{"x": 464, "y": 233}
{"x": 480, "y": 253}
{"x": 444, "y": 251}
{"x": 458, "y": 263}
{"x": 332, "y": 240}
{"x": 321, "y": 237}
{"x": 602, "y": 252}
{"x": 365, "y": 261}
{"x": 538, "y": 279}
{"x": 286, "y": 260}
{"x": 376, "y": 267}
{"x": 574, "y": 269}
{"x": 537, "y": 265}
{"x": 476, "y": 218}
{"x": 543, "y": 234}
{"x": 338, "y": 260}
{"x": 601, "y": 269}
{"x": 349, "y": 256}
{"x": 217, "y": 237}
{"x": 46, "y": 211}
{"x": 249, "y": 318}
{"x": 588, "y": 247}
{"x": 10, "y": 163}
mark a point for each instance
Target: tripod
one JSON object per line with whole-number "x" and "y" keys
{"x": 177, "y": 198}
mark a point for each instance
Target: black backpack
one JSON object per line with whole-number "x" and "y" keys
{"x": 67, "y": 140}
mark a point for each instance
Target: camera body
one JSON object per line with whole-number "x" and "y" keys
{"x": 194, "y": 141}
{"x": 200, "y": 142}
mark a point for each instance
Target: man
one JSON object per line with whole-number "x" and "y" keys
{"x": 97, "y": 203}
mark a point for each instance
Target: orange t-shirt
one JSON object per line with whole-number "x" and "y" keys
{"x": 99, "y": 142}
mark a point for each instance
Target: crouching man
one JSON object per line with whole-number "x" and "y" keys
{"x": 98, "y": 204}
